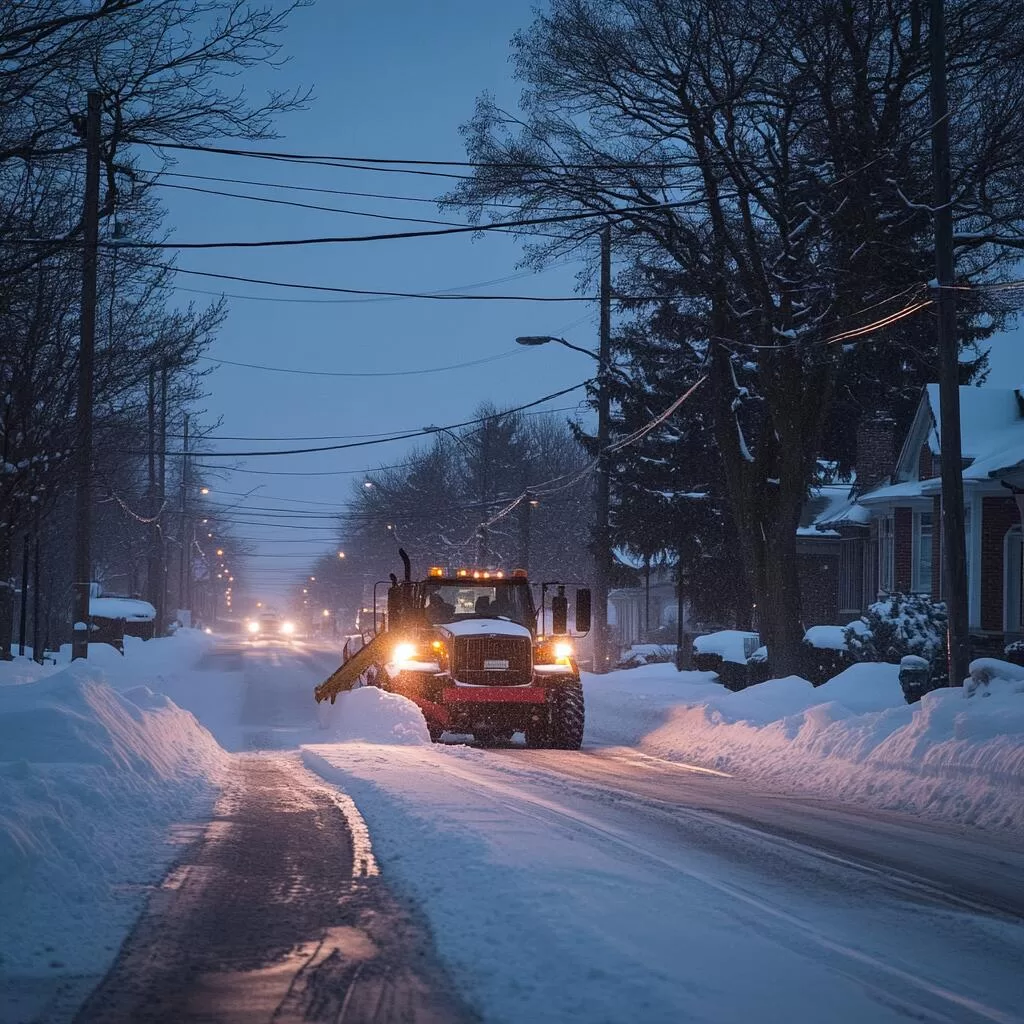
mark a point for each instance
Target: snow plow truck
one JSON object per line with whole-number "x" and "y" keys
{"x": 478, "y": 655}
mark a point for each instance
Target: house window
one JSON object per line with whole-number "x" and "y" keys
{"x": 851, "y": 575}
{"x": 885, "y": 554}
{"x": 921, "y": 580}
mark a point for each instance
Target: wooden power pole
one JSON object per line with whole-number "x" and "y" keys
{"x": 602, "y": 533}
{"x": 954, "y": 545}
{"x": 83, "y": 412}
{"x": 183, "y": 552}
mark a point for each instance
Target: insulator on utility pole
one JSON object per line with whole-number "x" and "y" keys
{"x": 83, "y": 412}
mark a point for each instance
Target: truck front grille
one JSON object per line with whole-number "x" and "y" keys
{"x": 492, "y": 660}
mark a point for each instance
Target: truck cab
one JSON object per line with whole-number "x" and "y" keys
{"x": 472, "y": 651}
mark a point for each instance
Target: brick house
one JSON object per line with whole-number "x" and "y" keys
{"x": 883, "y": 534}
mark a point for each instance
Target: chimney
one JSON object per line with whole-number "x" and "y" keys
{"x": 876, "y": 451}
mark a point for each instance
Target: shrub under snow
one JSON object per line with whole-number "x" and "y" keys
{"x": 896, "y": 626}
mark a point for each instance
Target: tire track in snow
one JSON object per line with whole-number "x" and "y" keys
{"x": 893, "y": 984}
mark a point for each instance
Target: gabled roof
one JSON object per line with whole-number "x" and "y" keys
{"x": 829, "y": 507}
{"x": 989, "y": 419}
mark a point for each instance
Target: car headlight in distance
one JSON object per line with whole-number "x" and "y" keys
{"x": 404, "y": 652}
{"x": 563, "y": 650}
{"x": 288, "y": 628}
{"x": 254, "y": 627}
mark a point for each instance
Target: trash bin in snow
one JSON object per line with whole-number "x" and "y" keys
{"x": 915, "y": 677}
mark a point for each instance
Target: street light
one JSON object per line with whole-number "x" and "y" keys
{"x": 602, "y": 534}
{"x": 341, "y": 554}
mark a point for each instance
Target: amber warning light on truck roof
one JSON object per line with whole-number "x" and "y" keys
{"x": 436, "y": 570}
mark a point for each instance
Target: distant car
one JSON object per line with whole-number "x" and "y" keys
{"x": 270, "y": 627}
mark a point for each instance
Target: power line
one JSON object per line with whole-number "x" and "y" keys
{"x": 605, "y": 215}
{"x": 391, "y": 162}
{"x": 327, "y": 209}
{"x": 441, "y": 291}
{"x": 378, "y": 373}
{"x": 437, "y": 296}
{"x": 343, "y": 437}
{"x": 306, "y": 206}
{"x": 322, "y": 191}
{"x": 423, "y": 431}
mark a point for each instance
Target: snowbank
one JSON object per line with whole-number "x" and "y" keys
{"x": 370, "y": 715}
{"x": 853, "y": 739}
{"x": 732, "y": 644}
{"x": 833, "y": 638}
{"x": 96, "y": 770}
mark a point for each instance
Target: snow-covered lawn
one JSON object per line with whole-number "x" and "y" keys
{"x": 853, "y": 739}
{"x": 96, "y": 769}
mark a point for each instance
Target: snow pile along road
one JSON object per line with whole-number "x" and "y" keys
{"x": 92, "y": 781}
{"x": 952, "y": 755}
{"x": 369, "y": 715}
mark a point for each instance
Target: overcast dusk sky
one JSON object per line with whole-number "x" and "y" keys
{"x": 391, "y": 79}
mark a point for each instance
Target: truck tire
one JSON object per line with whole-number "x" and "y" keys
{"x": 567, "y": 716}
{"x": 538, "y": 737}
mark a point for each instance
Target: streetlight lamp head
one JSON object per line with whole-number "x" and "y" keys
{"x": 204, "y": 490}
{"x": 341, "y": 554}
{"x": 535, "y": 339}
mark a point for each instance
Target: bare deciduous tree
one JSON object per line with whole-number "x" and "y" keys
{"x": 781, "y": 150}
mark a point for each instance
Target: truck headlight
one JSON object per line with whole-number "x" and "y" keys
{"x": 404, "y": 652}
{"x": 563, "y": 650}
{"x": 288, "y": 628}
{"x": 254, "y": 627}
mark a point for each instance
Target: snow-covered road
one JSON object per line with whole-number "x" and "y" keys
{"x": 615, "y": 884}
{"x": 609, "y": 886}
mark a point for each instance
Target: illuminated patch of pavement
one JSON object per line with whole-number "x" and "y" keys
{"x": 277, "y": 914}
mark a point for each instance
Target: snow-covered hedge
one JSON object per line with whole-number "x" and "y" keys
{"x": 896, "y": 626}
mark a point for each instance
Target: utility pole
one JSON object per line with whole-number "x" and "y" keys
{"x": 161, "y": 495}
{"x": 83, "y": 412}
{"x": 37, "y": 626}
{"x": 23, "y": 620}
{"x": 153, "y": 565}
{"x": 183, "y": 552}
{"x": 954, "y": 549}
{"x": 602, "y": 535}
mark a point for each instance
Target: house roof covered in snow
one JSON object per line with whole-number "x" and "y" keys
{"x": 829, "y": 507}
{"x": 990, "y": 419}
{"x": 992, "y": 437}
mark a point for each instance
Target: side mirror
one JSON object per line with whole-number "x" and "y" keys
{"x": 583, "y": 610}
{"x": 560, "y": 615}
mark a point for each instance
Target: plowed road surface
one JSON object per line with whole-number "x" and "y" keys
{"x": 600, "y": 886}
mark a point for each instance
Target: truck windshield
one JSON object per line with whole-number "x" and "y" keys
{"x": 451, "y": 602}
